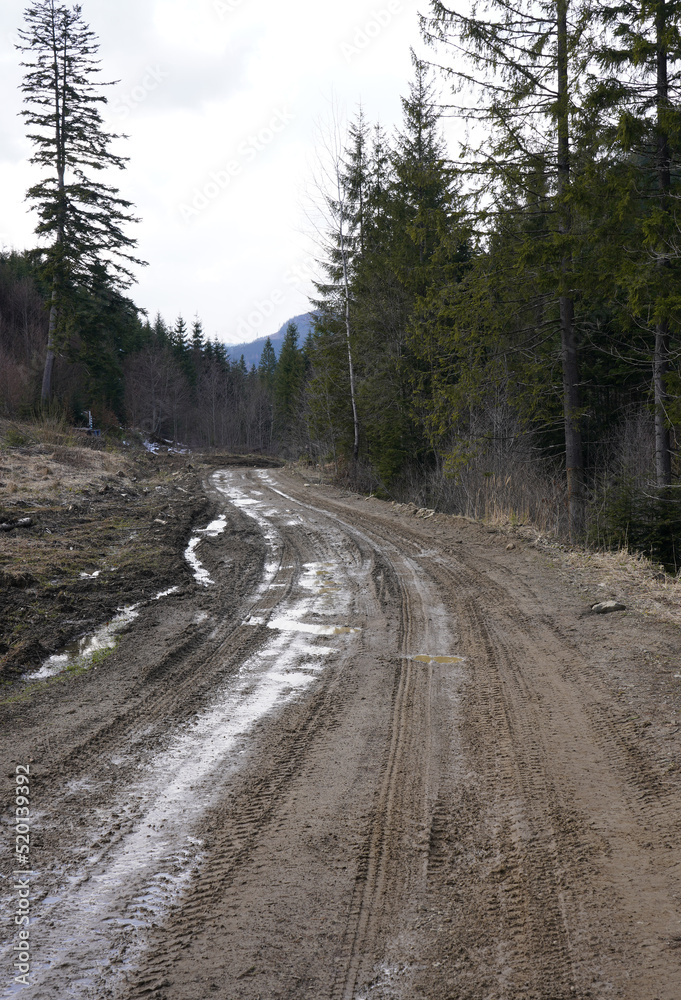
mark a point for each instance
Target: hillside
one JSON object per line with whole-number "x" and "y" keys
{"x": 252, "y": 350}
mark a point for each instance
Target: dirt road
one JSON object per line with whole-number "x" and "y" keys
{"x": 363, "y": 755}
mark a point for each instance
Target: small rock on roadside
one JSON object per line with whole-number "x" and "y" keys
{"x": 604, "y": 607}
{"x": 510, "y": 546}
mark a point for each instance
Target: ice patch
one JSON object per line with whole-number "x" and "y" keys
{"x": 81, "y": 651}
{"x": 290, "y": 625}
{"x": 215, "y": 527}
{"x": 201, "y": 574}
{"x": 212, "y": 530}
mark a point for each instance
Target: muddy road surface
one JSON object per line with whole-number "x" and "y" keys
{"x": 362, "y": 755}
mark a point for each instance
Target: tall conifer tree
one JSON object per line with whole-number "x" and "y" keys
{"x": 517, "y": 78}
{"x": 634, "y": 104}
{"x": 80, "y": 218}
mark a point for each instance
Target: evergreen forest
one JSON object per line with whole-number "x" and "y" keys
{"x": 497, "y": 327}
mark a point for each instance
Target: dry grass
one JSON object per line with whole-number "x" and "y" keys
{"x": 41, "y": 460}
{"x": 627, "y": 577}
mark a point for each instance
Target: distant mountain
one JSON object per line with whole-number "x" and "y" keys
{"x": 253, "y": 350}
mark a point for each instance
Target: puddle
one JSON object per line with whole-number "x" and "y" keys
{"x": 255, "y": 509}
{"x": 160, "y": 856}
{"x": 90, "y": 576}
{"x": 427, "y": 658}
{"x": 81, "y": 651}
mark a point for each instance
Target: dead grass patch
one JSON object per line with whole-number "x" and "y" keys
{"x": 627, "y": 577}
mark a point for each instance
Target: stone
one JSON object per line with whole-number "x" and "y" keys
{"x": 604, "y": 607}
{"x": 510, "y": 546}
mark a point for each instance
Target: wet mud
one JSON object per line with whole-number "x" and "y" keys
{"x": 354, "y": 755}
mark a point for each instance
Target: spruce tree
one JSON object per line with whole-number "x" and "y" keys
{"x": 81, "y": 219}
{"x": 198, "y": 341}
{"x": 288, "y": 386}
{"x": 267, "y": 366}
{"x": 342, "y": 222}
{"x": 634, "y": 101}
{"x": 516, "y": 67}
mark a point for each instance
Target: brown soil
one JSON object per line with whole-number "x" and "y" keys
{"x": 501, "y": 827}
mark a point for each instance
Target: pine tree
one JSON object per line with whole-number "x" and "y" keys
{"x": 410, "y": 241}
{"x": 635, "y": 101}
{"x": 288, "y": 386}
{"x": 341, "y": 228}
{"x": 519, "y": 67}
{"x": 198, "y": 341}
{"x": 81, "y": 219}
{"x": 355, "y": 181}
{"x": 180, "y": 341}
{"x": 267, "y": 366}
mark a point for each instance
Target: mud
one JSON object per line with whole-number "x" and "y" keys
{"x": 357, "y": 754}
{"x": 107, "y": 532}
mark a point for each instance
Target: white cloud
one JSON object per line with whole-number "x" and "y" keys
{"x": 201, "y": 84}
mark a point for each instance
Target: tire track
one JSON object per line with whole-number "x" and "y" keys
{"x": 254, "y": 812}
{"x": 380, "y": 855}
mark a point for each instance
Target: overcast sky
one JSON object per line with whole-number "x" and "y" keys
{"x": 222, "y": 101}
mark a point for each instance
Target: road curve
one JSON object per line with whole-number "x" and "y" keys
{"x": 364, "y": 757}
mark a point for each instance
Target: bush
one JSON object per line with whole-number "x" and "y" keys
{"x": 644, "y": 519}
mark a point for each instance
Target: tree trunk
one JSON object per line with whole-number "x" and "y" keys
{"x": 59, "y": 112}
{"x": 663, "y": 455}
{"x": 46, "y": 391}
{"x": 663, "y": 452}
{"x": 351, "y": 369}
{"x": 574, "y": 462}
